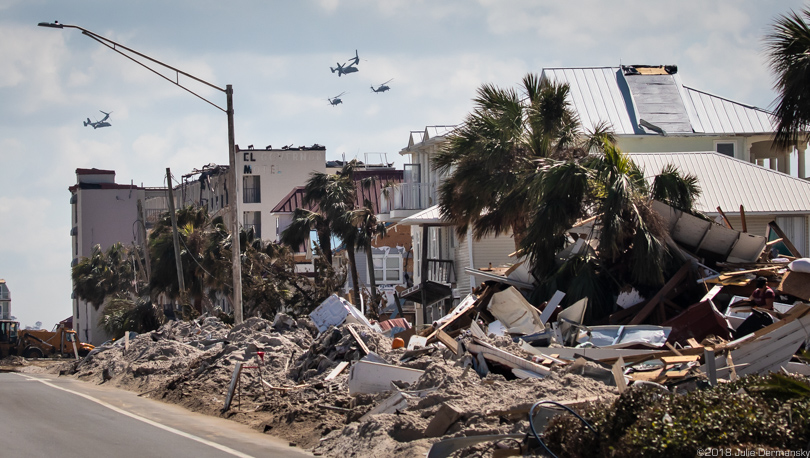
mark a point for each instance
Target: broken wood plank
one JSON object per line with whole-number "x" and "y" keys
{"x": 676, "y": 374}
{"x": 359, "y": 340}
{"x": 775, "y": 227}
{"x": 618, "y": 375}
{"x": 448, "y": 341}
{"x": 680, "y": 359}
{"x": 284, "y": 388}
{"x": 336, "y": 371}
{"x": 725, "y": 219}
{"x": 742, "y": 219}
{"x": 668, "y": 287}
{"x": 693, "y": 343}
{"x": 673, "y": 349}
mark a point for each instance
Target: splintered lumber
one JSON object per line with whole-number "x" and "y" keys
{"x": 775, "y": 227}
{"x": 505, "y": 358}
{"x": 336, "y": 371}
{"x": 656, "y": 300}
{"x": 725, "y": 219}
{"x": 448, "y": 341}
{"x": 359, "y": 340}
{"x": 679, "y": 359}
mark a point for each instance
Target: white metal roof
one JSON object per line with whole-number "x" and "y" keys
{"x": 605, "y": 94}
{"x": 429, "y": 216}
{"x": 728, "y": 183}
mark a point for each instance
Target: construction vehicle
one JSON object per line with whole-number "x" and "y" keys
{"x": 39, "y": 343}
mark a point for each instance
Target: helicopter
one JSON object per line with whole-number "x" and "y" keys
{"x": 336, "y": 99}
{"x": 97, "y": 124}
{"x": 382, "y": 87}
{"x": 346, "y": 69}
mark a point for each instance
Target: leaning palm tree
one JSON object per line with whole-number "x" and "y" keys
{"x": 788, "y": 48}
{"x": 489, "y": 160}
{"x": 334, "y": 196}
{"x": 303, "y": 221}
{"x": 631, "y": 246}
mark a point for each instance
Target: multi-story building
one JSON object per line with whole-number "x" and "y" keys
{"x": 263, "y": 178}
{"x": 5, "y": 301}
{"x": 103, "y": 213}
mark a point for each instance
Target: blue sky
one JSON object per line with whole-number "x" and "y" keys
{"x": 277, "y": 57}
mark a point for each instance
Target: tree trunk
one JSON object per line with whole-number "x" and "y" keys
{"x": 518, "y": 232}
{"x": 373, "y": 282}
{"x": 353, "y": 269}
{"x": 325, "y": 242}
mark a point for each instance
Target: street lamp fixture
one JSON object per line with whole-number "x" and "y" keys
{"x": 232, "y": 188}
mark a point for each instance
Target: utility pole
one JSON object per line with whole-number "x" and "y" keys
{"x": 233, "y": 191}
{"x": 180, "y": 280}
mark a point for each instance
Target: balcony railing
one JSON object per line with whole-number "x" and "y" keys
{"x": 407, "y": 196}
{"x": 441, "y": 271}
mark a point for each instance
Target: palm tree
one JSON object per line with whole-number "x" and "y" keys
{"x": 788, "y": 48}
{"x": 490, "y": 157}
{"x": 303, "y": 221}
{"x": 103, "y": 275}
{"x": 334, "y": 195}
{"x": 631, "y": 238}
{"x": 198, "y": 234}
{"x": 369, "y": 228}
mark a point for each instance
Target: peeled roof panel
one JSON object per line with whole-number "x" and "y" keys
{"x": 659, "y": 102}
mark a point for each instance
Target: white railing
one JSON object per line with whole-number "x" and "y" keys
{"x": 407, "y": 196}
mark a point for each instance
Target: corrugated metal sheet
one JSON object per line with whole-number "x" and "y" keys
{"x": 722, "y": 116}
{"x": 429, "y": 216}
{"x": 728, "y": 183}
{"x": 603, "y": 94}
{"x": 596, "y": 96}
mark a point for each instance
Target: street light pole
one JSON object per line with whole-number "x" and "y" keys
{"x": 232, "y": 187}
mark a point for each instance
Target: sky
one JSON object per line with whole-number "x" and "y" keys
{"x": 277, "y": 55}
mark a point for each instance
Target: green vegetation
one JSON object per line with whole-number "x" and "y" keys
{"x": 770, "y": 412}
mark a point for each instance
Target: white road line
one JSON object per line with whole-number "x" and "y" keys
{"x": 145, "y": 420}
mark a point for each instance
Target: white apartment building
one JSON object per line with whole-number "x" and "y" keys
{"x": 5, "y": 301}
{"x": 104, "y": 213}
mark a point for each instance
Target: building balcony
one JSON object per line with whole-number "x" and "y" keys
{"x": 404, "y": 199}
{"x": 441, "y": 271}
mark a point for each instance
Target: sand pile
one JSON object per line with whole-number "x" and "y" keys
{"x": 286, "y": 393}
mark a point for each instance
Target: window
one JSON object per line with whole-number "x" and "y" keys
{"x": 387, "y": 269}
{"x": 727, "y": 148}
{"x": 253, "y": 220}
{"x": 252, "y": 188}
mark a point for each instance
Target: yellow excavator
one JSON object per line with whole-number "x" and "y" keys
{"x": 40, "y": 343}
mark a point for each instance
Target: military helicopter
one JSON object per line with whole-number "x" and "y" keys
{"x": 97, "y": 124}
{"x": 336, "y": 99}
{"x": 346, "y": 69}
{"x": 382, "y": 87}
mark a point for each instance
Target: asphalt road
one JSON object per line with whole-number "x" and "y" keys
{"x": 47, "y": 416}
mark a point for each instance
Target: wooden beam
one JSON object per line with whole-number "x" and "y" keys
{"x": 725, "y": 219}
{"x": 775, "y": 227}
{"x": 654, "y": 302}
{"x": 742, "y": 218}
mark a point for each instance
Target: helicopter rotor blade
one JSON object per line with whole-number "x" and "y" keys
{"x": 392, "y": 79}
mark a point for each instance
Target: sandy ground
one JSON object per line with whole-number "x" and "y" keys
{"x": 192, "y": 363}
